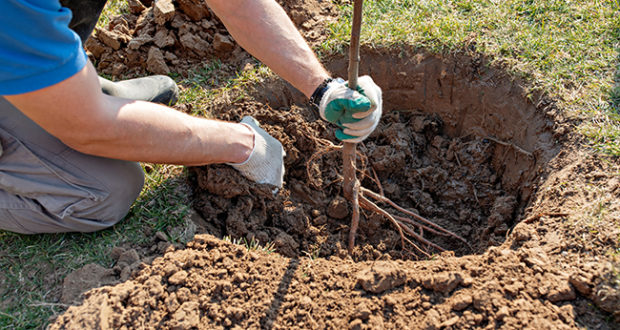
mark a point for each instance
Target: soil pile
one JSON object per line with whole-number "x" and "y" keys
{"x": 177, "y": 36}
{"x": 215, "y": 285}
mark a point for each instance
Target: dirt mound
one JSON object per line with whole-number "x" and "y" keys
{"x": 213, "y": 284}
{"x": 178, "y": 36}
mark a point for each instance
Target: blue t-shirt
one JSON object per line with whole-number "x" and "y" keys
{"x": 37, "y": 47}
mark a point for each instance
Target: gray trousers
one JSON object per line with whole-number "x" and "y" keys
{"x": 85, "y": 14}
{"x": 48, "y": 187}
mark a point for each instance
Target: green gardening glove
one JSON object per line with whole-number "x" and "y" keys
{"x": 356, "y": 113}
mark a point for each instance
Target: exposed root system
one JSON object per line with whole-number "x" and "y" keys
{"x": 358, "y": 197}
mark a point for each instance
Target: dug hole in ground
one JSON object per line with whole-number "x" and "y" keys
{"x": 460, "y": 142}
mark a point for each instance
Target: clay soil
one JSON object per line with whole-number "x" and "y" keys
{"x": 179, "y": 36}
{"x": 460, "y": 144}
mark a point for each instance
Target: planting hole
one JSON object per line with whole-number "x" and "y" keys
{"x": 458, "y": 143}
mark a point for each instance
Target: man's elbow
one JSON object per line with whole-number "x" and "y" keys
{"x": 86, "y": 145}
{"x": 88, "y": 137}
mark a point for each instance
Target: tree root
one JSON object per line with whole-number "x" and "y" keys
{"x": 438, "y": 230}
{"x": 512, "y": 145}
{"x": 410, "y": 227}
{"x": 351, "y": 189}
{"x": 403, "y": 224}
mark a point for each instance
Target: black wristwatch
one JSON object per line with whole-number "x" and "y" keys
{"x": 316, "y": 97}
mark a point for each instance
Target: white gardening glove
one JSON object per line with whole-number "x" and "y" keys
{"x": 357, "y": 113}
{"x": 266, "y": 162}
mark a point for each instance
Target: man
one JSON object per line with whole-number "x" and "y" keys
{"x": 70, "y": 151}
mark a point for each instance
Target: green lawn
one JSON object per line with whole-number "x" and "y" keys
{"x": 34, "y": 266}
{"x": 568, "y": 49}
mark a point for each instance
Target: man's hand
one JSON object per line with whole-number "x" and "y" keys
{"x": 357, "y": 113}
{"x": 266, "y": 162}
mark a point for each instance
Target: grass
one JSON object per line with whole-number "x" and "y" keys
{"x": 595, "y": 215}
{"x": 567, "y": 49}
{"x": 203, "y": 85}
{"x": 34, "y": 266}
{"x": 252, "y": 245}
{"x": 112, "y": 8}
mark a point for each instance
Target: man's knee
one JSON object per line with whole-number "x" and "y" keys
{"x": 126, "y": 189}
{"x": 123, "y": 184}
{"x": 123, "y": 187}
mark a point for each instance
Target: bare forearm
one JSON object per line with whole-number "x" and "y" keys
{"x": 143, "y": 131}
{"x": 265, "y": 31}
{"x": 76, "y": 112}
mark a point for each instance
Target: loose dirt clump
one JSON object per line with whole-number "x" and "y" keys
{"x": 179, "y": 36}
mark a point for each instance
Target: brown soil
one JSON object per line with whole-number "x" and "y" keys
{"x": 180, "y": 36}
{"x": 213, "y": 284}
{"x": 547, "y": 271}
{"x": 460, "y": 143}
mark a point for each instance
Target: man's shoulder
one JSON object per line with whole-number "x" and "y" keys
{"x": 37, "y": 47}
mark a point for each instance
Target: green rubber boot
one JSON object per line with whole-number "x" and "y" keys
{"x": 158, "y": 89}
